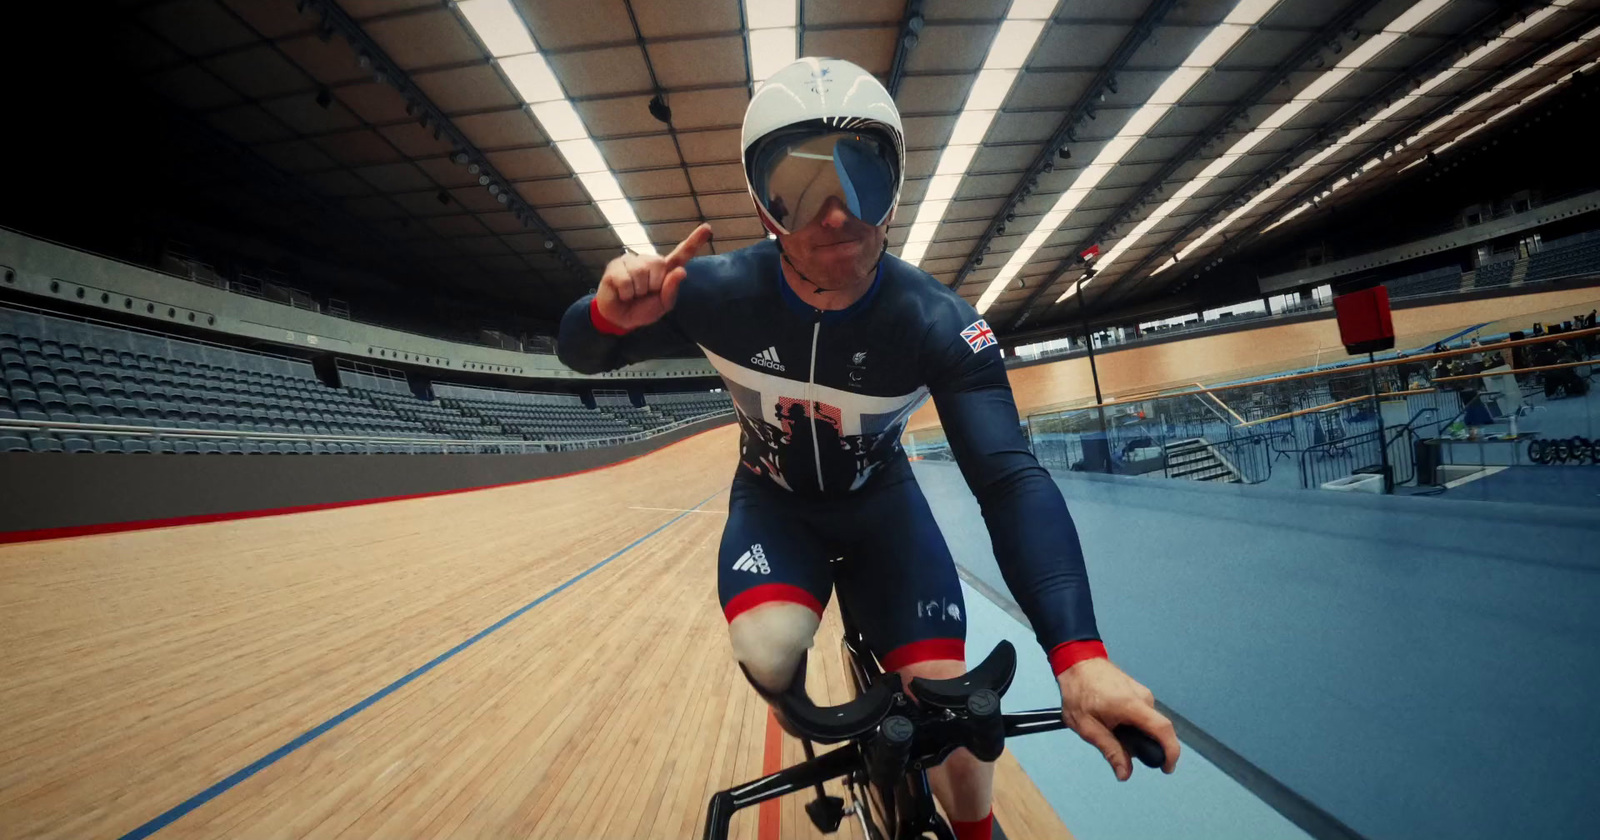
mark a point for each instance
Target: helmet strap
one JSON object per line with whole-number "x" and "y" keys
{"x": 816, "y": 288}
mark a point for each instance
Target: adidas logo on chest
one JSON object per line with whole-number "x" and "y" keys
{"x": 768, "y": 358}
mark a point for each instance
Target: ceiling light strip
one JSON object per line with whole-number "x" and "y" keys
{"x": 1472, "y": 58}
{"x": 771, "y": 36}
{"x": 1222, "y": 38}
{"x": 507, "y": 38}
{"x": 1466, "y": 107}
{"x": 1370, "y": 49}
{"x": 1509, "y": 109}
{"x": 1013, "y": 43}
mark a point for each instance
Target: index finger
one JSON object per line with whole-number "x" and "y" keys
{"x": 687, "y": 249}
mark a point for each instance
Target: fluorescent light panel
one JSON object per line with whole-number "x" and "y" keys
{"x": 1494, "y": 45}
{"x": 1222, "y": 38}
{"x": 1353, "y": 61}
{"x": 1013, "y": 43}
{"x": 503, "y": 33}
{"x": 769, "y": 37}
{"x": 1506, "y": 111}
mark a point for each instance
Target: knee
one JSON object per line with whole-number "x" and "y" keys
{"x": 933, "y": 669}
{"x": 770, "y": 639}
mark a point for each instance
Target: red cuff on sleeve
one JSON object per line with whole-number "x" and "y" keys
{"x": 1068, "y": 654}
{"x": 600, "y": 322}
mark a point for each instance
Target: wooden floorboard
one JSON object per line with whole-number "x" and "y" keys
{"x": 143, "y": 667}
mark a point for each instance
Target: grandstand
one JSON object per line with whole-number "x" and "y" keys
{"x": 1496, "y": 273}
{"x": 1580, "y": 254}
{"x": 88, "y": 388}
{"x": 693, "y": 404}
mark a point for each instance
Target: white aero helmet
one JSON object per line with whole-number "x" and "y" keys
{"x": 822, "y": 127}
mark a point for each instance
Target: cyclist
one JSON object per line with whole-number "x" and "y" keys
{"x": 827, "y": 344}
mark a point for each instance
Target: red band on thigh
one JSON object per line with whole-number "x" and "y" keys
{"x": 925, "y": 650}
{"x": 768, "y": 593}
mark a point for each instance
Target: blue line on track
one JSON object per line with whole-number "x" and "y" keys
{"x": 254, "y": 767}
{"x": 1449, "y": 338}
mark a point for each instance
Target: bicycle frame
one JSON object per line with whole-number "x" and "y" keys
{"x": 909, "y": 807}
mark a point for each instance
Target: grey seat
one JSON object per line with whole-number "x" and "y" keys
{"x": 107, "y": 445}
{"x": 12, "y": 443}
{"x": 77, "y": 445}
{"x": 46, "y": 443}
{"x": 132, "y": 446}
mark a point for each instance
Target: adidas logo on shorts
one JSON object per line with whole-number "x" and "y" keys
{"x": 753, "y": 561}
{"x": 768, "y": 358}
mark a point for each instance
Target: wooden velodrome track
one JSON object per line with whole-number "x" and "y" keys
{"x": 539, "y": 660}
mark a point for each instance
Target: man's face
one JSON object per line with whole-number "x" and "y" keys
{"x": 836, "y": 248}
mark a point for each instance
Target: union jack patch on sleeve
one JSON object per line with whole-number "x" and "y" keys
{"x": 979, "y": 336}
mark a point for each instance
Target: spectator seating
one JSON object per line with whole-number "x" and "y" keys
{"x": 1581, "y": 257}
{"x": 1443, "y": 280}
{"x": 692, "y": 404}
{"x": 62, "y": 371}
{"x": 537, "y": 419}
{"x": 1494, "y": 274}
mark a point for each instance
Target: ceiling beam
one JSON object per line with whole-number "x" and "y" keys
{"x": 464, "y": 152}
{"x": 1203, "y": 140}
{"x": 1064, "y": 132}
{"x": 911, "y": 23}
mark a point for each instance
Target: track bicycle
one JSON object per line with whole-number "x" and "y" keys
{"x": 890, "y": 740}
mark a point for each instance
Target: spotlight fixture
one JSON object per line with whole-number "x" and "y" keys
{"x": 444, "y": 197}
{"x": 324, "y": 97}
{"x": 659, "y": 109}
{"x": 1064, "y": 153}
{"x": 1000, "y": 230}
{"x": 459, "y": 158}
{"x": 483, "y": 180}
{"x": 549, "y": 244}
{"x": 978, "y": 261}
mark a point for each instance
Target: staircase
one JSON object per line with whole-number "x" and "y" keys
{"x": 1196, "y": 460}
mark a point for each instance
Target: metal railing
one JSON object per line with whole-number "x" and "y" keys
{"x": 368, "y": 445}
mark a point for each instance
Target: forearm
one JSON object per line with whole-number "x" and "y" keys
{"x": 1037, "y": 548}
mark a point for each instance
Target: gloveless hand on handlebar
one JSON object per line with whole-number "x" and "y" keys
{"x": 1097, "y": 697}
